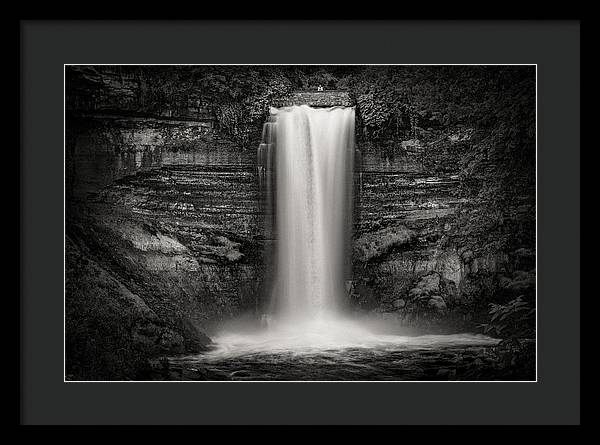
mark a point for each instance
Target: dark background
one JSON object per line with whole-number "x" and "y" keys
{"x": 47, "y": 46}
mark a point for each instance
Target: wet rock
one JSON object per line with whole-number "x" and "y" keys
{"x": 113, "y": 326}
{"x": 427, "y": 285}
{"x": 171, "y": 341}
{"x": 365, "y": 295}
{"x": 158, "y": 339}
{"x": 390, "y": 316}
{"x": 375, "y": 244}
{"x": 161, "y": 262}
{"x": 445, "y": 373}
{"x": 241, "y": 374}
{"x": 319, "y": 98}
{"x": 227, "y": 248}
{"x": 520, "y": 281}
{"x": 146, "y": 238}
{"x": 451, "y": 294}
{"x": 437, "y": 302}
{"x": 448, "y": 264}
{"x": 466, "y": 255}
{"x": 399, "y": 303}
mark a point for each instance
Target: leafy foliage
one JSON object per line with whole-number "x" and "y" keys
{"x": 374, "y": 113}
{"x": 512, "y": 319}
{"x": 321, "y": 77}
{"x": 237, "y": 96}
{"x": 242, "y": 119}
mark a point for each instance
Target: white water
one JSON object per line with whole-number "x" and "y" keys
{"x": 314, "y": 155}
{"x": 306, "y": 163}
{"x": 332, "y": 335}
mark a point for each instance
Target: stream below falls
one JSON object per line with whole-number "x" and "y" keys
{"x": 314, "y": 357}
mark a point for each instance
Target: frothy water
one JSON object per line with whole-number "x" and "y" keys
{"x": 328, "y": 336}
{"x": 340, "y": 350}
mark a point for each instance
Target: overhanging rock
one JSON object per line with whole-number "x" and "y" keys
{"x": 331, "y": 98}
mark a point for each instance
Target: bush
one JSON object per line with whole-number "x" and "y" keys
{"x": 511, "y": 320}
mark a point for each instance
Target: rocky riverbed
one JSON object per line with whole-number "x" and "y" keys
{"x": 458, "y": 362}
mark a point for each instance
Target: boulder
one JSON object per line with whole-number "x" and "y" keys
{"x": 399, "y": 303}
{"x": 451, "y": 295}
{"x": 437, "y": 303}
{"x": 428, "y": 285}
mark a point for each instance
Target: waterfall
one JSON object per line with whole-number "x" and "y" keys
{"x": 305, "y": 165}
{"x": 313, "y": 164}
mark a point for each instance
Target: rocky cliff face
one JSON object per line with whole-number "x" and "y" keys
{"x": 405, "y": 267}
{"x": 131, "y": 91}
{"x": 162, "y": 228}
{"x": 400, "y": 269}
{"x": 182, "y": 238}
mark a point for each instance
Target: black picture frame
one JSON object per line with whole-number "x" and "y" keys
{"x": 47, "y": 45}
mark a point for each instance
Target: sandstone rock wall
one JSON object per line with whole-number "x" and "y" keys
{"x": 408, "y": 196}
{"x": 100, "y": 149}
{"x": 405, "y": 210}
{"x": 328, "y": 98}
{"x": 127, "y": 90}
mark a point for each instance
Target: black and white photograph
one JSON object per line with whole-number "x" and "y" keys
{"x": 309, "y": 223}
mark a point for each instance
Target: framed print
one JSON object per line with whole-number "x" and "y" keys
{"x": 319, "y": 226}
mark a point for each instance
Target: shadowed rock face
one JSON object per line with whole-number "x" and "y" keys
{"x": 110, "y": 329}
{"x": 403, "y": 212}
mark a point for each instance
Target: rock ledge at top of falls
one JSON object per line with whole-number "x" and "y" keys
{"x": 327, "y": 98}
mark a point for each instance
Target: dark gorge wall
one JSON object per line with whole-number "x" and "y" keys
{"x": 402, "y": 270}
{"x": 410, "y": 266}
{"x": 162, "y": 234}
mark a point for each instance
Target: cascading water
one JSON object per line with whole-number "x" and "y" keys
{"x": 305, "y": 168}
{"x": 314, "y": 158}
